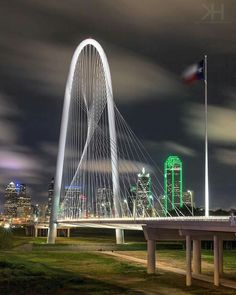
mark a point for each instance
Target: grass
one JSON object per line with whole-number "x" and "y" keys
{"x": 56, "y": 269}
{"x": 58, "y": 273}
{"x": 86, "y": 273}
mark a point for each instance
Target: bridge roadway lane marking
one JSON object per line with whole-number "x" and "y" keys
{"x": 201, "y": 277}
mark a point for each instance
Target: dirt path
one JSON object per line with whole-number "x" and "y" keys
{"x": 165, "y": 267}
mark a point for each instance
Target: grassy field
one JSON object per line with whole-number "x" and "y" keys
{"x": 176, "y": 258}
{"x": 40, "y": 269}
{"x": 66, "y": 273}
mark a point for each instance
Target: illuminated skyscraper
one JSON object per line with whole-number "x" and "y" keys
{"x": 131, "y": 197}
{"x": 17, "y": 201}
{"x": 24, "y": 202}
{"x": 104, "y": 202}
{"x": 11, "y": 198}
{"x": 50, "y": 196}
{"x": 144, "y": 198}
{"x": 74, "y": 203}
{"x": 39, "y": 212}
{"x": 173, "y": 183}
{"x": 188, "y": 200}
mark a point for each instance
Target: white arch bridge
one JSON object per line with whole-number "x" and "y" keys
{"x": 103, "y": 170}
{"x": 105, "y": 177}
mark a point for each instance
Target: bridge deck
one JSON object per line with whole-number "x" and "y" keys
{"x": 213, "y": 223}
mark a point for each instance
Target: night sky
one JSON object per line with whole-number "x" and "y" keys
{"x": 148, "y": 44}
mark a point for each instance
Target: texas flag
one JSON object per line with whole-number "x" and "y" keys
{"x": 194, "y": 72}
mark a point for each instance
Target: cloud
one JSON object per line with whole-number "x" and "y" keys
{"x": 8, "y": 109}
{"x": 19, "y": 163}
{"x": 170, "y": 147}
{"x": 9, "y": 132}
{"x": 49, "y": 148}
{"x": 221, "y": 123}
{"x": 134, "y": 76}
{"x": 226, "y": 156}
{"x": 16, "y": 161}
{"x": 155, "y": 17}
{"x": 137, "y": 78}
{"x": 46, "y": 65}
{"x": 125, "y": 166}
{"x": 30, "y": 177}
{"x": 179, "y": 148}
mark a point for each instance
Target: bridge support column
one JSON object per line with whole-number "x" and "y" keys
{"x": 52, "y": 233}
{"x": 221, "y": 259}
{"x": 197, "y": 256}
{"x": 68, "y": 232}
{"x": 216, "y": 261}
{"x": 120, "y": 238}
{"x": 36, "y": 231}
{"x": 188, "y": 261}
{"x": 151, "y": 256}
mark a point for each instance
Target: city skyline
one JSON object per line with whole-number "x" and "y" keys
{"x": 182, "y": 196}
{"x": 31, "y": 109}
{"x": 141, "y": 192}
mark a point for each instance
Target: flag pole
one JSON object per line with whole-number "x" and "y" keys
{"x": 206, "y": 144}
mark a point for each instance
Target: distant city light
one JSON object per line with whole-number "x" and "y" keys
{"x": 6, "y": 226}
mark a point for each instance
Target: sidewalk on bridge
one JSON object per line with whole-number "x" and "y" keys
{"x": 162, "y": 266}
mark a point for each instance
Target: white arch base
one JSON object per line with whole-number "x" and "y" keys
{"x": 120, "y": 238}
{"x": 52, "y": 234}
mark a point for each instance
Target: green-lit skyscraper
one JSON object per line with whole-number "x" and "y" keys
{"x": 173, "y": 183}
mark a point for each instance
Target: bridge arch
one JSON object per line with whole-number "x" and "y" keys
{"x": 90, "y": 130}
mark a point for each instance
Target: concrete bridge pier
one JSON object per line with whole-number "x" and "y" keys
{"x": 216, "y": 261}
{"x": 193, "y": 262}
{"x": 188, "y": 261}
{"x": 35, "y": 231}
{"x": 151, "y": 256}
{"x": 196, "y": 256}
{"x": 221, "y": 269}
{"x": 68, "y": 232}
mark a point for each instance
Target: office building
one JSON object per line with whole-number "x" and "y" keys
{"x": 143, "y": 200}
{"x": 104, "y": 202}
{"x": 173, "y": 184}
{"x": 23, "y": 203}
{"x": 10, "y": 202}
{"x": 50, "y": 197}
